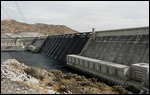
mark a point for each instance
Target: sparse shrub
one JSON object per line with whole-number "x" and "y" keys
{"x": 132, "y": 89}
{"x": 49, "y": 84}
{"x": 78, "y": 78}
{"x": 58, "y": 79}
{"x": 93, "y": 79}
{"x": 74, "y": 75}
{"x": 68, "y": 76}
{"x": 49, "y": 74}
{"x": 87, "y": 91}
{"x": 34, "y": 73}
{"x": 119, "y": 89}
{"x": 56, "y": 72}
{"x": 84, "y": 83}
{"x": 61, "y": 88}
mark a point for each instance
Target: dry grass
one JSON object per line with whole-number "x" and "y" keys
{"x": 133, "y": 89}
{"x": 16, "y": 67}
{"x": 119, "y": 89}
{"x": 60, "y": 88}
{"x": 45, "y": 82}
{"x": 69, "y": 82}
{"x": 34, "y": 73}
{"x": 34, "y": 87}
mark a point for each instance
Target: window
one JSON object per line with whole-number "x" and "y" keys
{"x": 100, "y": 68}
{"x": 107, "y": 69}
{"x": 76, "y": 61}
{"x": 68, "y": 58}
{"x": 88, "y": 64}
{"x": 82, "y": 62}
{"x": 93, "y": 65}
{"x": 116, "y": 72}
{"x": 72, "y": 60}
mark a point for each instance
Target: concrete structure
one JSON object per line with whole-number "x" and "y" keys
{"x": 120, "y": 56}
{"x": 111, "y": 71}
{"x": 4, "y": 35}
{"x": 58, "y": 46}
{"x": 99, "y": 67}
{"x": 23, "y": 34}
{"x": 36, "y": 45}
{"x": 21, "y": 44}
{"x": 124, "y": 46}
{"x": 116, "y": 56}
{"x": 140, "y": 72}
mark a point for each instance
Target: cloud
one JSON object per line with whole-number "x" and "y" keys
{"x": 83, "y": 15}
{"x": 12, "y": 8}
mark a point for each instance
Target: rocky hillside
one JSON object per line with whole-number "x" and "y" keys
{"x": 13, "y": 26}
{"x": 18, "y": 78}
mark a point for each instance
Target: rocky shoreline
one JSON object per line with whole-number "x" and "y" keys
{"x": 18, "y": 78}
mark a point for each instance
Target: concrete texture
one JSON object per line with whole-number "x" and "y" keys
{"x": 36, "y": 45}
{"x": 108, "y": 68}
{"x": 109, "y": 55}
{"x": 123, "y": 76}
{"x": 59, "y": 46}
{"x": 112, "y": 54}
{"x": 24, "y": 34}
{"x": 21, "y": 44}
{"x": 121, "y": 46}
{"x": 140, "y": 72}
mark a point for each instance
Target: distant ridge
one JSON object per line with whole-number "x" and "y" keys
{"x": 14, "y": 26}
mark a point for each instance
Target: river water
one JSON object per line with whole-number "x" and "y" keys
{"x": 41, "y": 61}
{"x": 35, "y": 60}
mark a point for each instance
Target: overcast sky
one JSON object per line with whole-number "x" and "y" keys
{"x": 79, "y": 15}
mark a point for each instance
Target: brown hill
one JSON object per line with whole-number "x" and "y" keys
{"x": 14, "y": 26}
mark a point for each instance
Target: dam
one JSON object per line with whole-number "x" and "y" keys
{"x": 117, "y": 56}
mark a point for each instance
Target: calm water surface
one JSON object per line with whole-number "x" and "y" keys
{"x": 35, "y": 60}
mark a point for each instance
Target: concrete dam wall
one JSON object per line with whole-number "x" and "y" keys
{"x": 126, "y": 46}
{"x": 21, "y": 44}
{"x": 58, "y": 46}
{"x": 116, "y": 56}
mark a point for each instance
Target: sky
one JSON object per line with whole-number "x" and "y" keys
{"x": 79, "y": 15}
